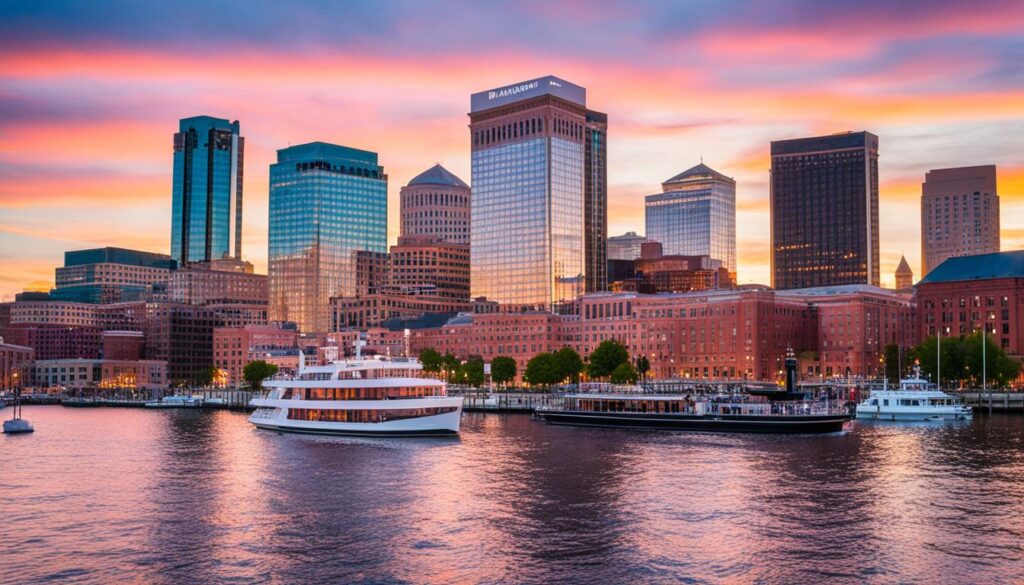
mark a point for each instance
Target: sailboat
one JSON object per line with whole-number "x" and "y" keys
{"x": 16, "y": 424}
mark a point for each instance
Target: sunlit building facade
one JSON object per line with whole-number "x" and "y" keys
{"x": 625, "y": 247}
{"x": 959, "y": 214}
{"x": 824, "y": 202}
{"x": 206, "y": 203}
{"x": 695, "y": 215}
{"x": 528, "y": 140}
{"x": 111, "y": 275}
{"x": 327, "y": 202}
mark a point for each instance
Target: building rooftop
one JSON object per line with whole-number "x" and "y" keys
{"x": 207, "y": 122}
{"x": 524, "y": 90}
{"x": 323, "y": 151}
{"x": 903, "y": 268}
{"x": 425, "y": 321}
{"x": 112, "y": 255}
{"x": 438, "y": 175}
{"x": 701, "y": 171}
{"x": 978, "y": 267}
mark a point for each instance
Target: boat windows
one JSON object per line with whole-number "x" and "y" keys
{"x": 378, "y": 393}
{"x": 364, "y": 416}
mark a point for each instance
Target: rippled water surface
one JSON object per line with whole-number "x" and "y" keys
{"x": 125, "y": 495}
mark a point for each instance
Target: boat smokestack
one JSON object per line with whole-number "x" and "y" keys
{"x": 790, "y": 371}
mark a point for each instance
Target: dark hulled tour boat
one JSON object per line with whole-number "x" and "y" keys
{"x": 782, "y": 411}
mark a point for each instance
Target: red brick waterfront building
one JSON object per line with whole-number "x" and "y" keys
{"x": 15, "y": 361}
{"x": 234, "y": 347}
{"x": 963, "y": 293}
{"x": 732, "y": 334}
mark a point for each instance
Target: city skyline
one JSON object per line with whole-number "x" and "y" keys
{"x": 85, "y": 161}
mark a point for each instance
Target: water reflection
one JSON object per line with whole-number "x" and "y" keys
{"x": 186, "y": 496}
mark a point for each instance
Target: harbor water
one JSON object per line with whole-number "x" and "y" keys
{"x": 109, "y": 495}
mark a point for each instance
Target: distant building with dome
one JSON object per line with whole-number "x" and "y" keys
{"x": 436, "y": 203}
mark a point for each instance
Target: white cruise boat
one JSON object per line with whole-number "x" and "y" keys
{"x": 363, "y": 397}
{"x": 915, "y": 400}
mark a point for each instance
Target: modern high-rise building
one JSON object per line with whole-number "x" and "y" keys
{"x": 625, "y": 247}
{"x": 824, "y": 202}
{"x": 595, "y": 202}
{"x": 529, "y": 210}
{"x": 206, "y": 204}
{"x": 436, "y": 203}
{"x": 327, "y": 203}
{"x": 695, "y": 215}
{"x": 959, "y": 214}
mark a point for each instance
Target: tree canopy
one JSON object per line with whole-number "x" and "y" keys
{"x": 624, "y": 374}
{"x": 431, "y": 360}
{"x": 607, "y": 356}
{"x": 568, "y": 365}
{"x": 256, "y": 372}
{"x": 961, "y": 361}
{"x": 503, "y": 369}
{"x": 542, "y": 370}
{"x": 643, "y": 365}
{"x": 472, "y": 372}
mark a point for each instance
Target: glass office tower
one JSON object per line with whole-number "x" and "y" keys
{"x": 824, "y": 201}
{"x": 327, "y": 202}
{"x": 695, "y": 215}
{"x": 527, "y": 240}
{"x": 595, "y": 188}
{"x": 206, "y": 203}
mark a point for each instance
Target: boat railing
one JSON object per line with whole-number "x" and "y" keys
{"x": 702, "y": 408}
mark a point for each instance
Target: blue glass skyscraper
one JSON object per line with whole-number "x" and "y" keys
{"x": 206, "y": 204}
{"x": 326, "y": 203}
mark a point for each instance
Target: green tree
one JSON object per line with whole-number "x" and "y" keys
{"x": 431, "y": 360}
{"x": 206, "y": 375}
{"x": 895, "y": 358}
{"x": 541, "y": 370}
{"x": 607, "y": 356}
{"x": 624, "y": 373}
{"x": 568, "y": 365}
{"x": 449, "y": 365}
{"x": 643, "y": 365}
{"x": 1000, "y": 369}
{"x": 952, "y": 359}
{"x": 473, "y": 371}
{"x": 503, "y": 369}
{"x": 256, "y": 371}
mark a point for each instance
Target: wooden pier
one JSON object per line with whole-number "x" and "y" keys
{"x": 994, "y": 401}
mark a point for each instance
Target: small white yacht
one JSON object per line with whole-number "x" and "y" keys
{"x": 364, "y": 397}
{"x": 177, "y": 401}
{"x": 915, "y": 400}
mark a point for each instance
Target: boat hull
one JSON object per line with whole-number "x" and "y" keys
{"x": 910, "y": 416}
{"x": 796, "y": 424}
{"x": 397, "y": 433}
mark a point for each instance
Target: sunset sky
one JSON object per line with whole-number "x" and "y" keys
{"x": 90, "y": 97}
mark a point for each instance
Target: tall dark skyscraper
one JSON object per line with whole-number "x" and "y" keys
{"x": 534, "y": 144}
{"x": 595, "y": 202}
{"x": 824, "y": 201}
{"x": 206, "y": 204}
